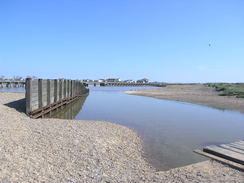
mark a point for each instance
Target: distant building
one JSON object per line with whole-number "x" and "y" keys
{"x": 144, "y": 80}
{"x": 139, "y": 81}
{"x": 101, "y": 80}
{"x": 129, "y": 81}
{"x": 113, "y": 80}
{"x": 87, "y": 80}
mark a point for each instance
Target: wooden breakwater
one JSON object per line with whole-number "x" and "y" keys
{"x": 124, "y": 84}
{"x": 45, "y": 95}
{"x": 12, "y": 83}
{"x": 132, "y": 84}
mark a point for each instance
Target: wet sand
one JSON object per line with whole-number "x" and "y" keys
{"x": 56, "y": 150}
{"x": 196, "y": 94}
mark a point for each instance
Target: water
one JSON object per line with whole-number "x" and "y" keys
{"x": 170, "y": 130}
{"x": 5, "y": 89}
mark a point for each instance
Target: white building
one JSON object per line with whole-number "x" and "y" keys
{"x": 101, "y": 80}
{"x": 113, "y": 80}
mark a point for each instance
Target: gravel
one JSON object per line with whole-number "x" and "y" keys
{"x": 55, "y": 150}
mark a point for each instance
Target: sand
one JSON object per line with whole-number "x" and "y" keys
{"x": 196, "y": 94}
{"x": 55, "y": 150}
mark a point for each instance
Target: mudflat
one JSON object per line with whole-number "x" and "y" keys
{"x": 55, "y": 150}
{"x": 196, "y": 94}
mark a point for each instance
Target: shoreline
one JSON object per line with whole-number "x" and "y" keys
{"x": 194, "y": 94}
{"x": 57, "y": 150}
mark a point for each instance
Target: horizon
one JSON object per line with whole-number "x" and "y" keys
{"x": 122, "y": 80}
{"x": 171, "y": 41}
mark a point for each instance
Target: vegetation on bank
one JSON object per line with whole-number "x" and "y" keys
{"x": 230, "y": 89}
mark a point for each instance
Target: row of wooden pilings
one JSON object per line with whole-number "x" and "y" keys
{"x": 12, "y": 84}
{"x": 45, "y": 95}
{"x": 132, "y": 84}
{"x": 124, "y": 84}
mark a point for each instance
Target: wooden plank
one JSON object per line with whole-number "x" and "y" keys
{"x": 44, "y": 103}
{"x": 51, "y": 92}
{"x": 28, "y": 95}
{"x": 52, "y": 99}
{"x": 34, "y": 94}
{"x": 224, "y": 153}
{"x": 34, "y": 88}
{"x": 226, "y": 146}
{"x": 34, "y": 91}
{"x": 34, "y": 83}
{"x": 48, "y": 92}
{"x": 56, "y": 90}
{"x": 60, "y": 89}
{"x": 40, "y": 93}
{"x": 236, "y": 143}
{"x": 44, "y": 82}
{"x": 222, "y": 160}
{"x": 64, "y": 90}
{"x": 34, "y": 104}
{"x": 240, "y": 143}
{"x": 34, "y": 107}
{"x": 237, "y": 146}
{"x": 70, "y": 88}
{"x": 34, "y": 101}
{"x": 44, "y": 97}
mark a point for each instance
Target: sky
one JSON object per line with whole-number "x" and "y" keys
{"x": 163, "y": 40}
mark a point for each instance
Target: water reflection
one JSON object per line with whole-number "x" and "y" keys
{"x": 68, "y": 111}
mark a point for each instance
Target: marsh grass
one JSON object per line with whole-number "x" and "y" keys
{"x": 229, "y": 89}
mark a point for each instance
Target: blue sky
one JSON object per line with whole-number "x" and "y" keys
{"x": 164, "y": 40}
